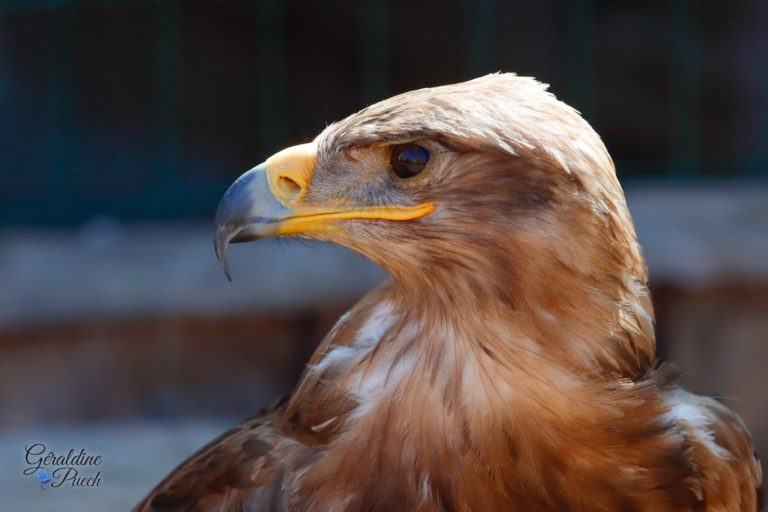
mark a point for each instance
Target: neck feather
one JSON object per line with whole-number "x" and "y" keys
{"x": 442, "y": 384}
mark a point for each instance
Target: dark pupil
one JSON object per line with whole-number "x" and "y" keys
{"x": 409, "y": 160}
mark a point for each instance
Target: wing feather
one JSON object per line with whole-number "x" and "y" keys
{"x": 237, "y": 470}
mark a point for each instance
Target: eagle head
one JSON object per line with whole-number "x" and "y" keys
{"x": 491, "y": 193}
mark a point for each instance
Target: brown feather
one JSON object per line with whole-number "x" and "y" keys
{"x": 509, "y": 362}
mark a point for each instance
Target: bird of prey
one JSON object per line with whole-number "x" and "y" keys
{"x": 509, "y": 362}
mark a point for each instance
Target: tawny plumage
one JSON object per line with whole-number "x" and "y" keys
{"x": 508, "y": 364}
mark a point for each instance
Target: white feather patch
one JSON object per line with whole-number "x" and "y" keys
{"x": 685, "y": 409}
{"x": 367, "y": 337}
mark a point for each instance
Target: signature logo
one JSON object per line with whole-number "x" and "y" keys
{"x": 54, "y": 470}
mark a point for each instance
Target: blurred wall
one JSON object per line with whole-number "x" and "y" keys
{"x": 136, "y": 321}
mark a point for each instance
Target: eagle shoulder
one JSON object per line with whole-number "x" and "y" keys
{"x": 237, "y": 470}
{"x": 721, "y": 448}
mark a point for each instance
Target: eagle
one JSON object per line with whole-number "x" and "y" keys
{"x": 507, "y": 364}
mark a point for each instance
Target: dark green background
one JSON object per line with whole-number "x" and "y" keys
{"x": 138, "y": 109}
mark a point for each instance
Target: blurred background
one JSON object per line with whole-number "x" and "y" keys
{"x": 122, "y": 122}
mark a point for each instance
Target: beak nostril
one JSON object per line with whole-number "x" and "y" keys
{"x": 289, "y": 173}
{"x": 289, "y": 187}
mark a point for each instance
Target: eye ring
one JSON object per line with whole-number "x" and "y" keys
{"x": 408, "y": 160}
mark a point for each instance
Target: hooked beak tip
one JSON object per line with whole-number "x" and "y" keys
{"x": 221, "y": 246}
{"x": 242, "y": 213}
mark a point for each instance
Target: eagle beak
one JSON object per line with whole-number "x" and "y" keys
{"x": 247, "y": 211}
{"x": 269, "y": 200}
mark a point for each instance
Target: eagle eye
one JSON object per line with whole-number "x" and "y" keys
{"x": 408, "y": 160}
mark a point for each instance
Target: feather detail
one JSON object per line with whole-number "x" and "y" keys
{"x": 509, "y": 362}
